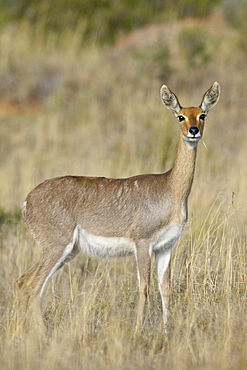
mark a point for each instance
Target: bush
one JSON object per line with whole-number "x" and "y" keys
{"x": 235, "y": 12}
{"x": 195, "y": 46}
{"x": 100, "y": 19}
{"x": 11, "y": 217}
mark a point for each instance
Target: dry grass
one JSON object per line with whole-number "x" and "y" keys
{"x": 99, "y": 113}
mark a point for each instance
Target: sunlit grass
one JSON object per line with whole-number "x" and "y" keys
{"x": 101, "y": 116}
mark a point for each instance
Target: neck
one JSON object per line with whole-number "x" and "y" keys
{"x": 182, "y": 173}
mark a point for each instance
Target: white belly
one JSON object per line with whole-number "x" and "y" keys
{"x": 105, "y": 247}
{"x": 101, "y": 246}
{"x": 167, "y": 238}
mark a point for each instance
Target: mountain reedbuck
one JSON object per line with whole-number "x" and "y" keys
{"x": 116, "y": 217}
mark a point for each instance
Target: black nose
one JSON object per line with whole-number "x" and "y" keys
{"x": 193, "y": 130}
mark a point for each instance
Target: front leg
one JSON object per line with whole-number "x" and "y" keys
{"x": 163, "y": 268}
{"x": 143, "y": 261}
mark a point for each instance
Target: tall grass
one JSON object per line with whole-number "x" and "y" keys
{"x": 90, "y": 111}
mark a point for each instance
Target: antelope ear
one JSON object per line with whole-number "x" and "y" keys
{"x": 210, "y": 97}
{"x": 170, "y": 100}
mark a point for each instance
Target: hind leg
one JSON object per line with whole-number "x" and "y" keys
{"x": 29, "y": 305}
{"x": 32, "y": 283}
{"x": 162, "y": 260}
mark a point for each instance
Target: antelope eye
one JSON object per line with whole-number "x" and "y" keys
{"x": 181, "y": 118}
{"x": 202, "y": 117}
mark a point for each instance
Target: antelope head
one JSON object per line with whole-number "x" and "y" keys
{"x": 191, "y": 119}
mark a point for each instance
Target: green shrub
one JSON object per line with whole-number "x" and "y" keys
{"x": 155, "y": 61}
{"x": 5, "y": 216}
{"x": 195, "y": 46}
{"x": 235, "y": 12}
{"x": 100, "y": 19}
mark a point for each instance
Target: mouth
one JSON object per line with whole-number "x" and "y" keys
{"x": 192, "y": 139}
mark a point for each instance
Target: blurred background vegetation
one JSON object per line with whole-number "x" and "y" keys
{"x": 105, "y": 20}
{"x": 79, "y": 94}
{"x": 102, "y": 20}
